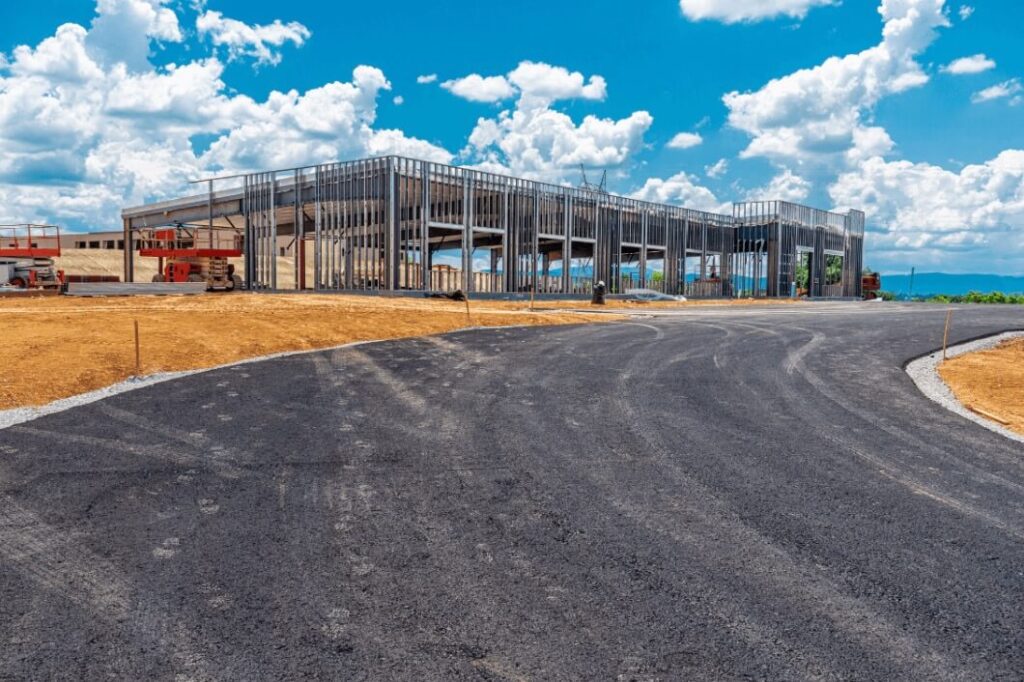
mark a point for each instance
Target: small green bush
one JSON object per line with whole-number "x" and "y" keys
{"x": 995, "y": 297}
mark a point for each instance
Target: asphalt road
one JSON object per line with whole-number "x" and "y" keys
{"x": 715, "y": 495}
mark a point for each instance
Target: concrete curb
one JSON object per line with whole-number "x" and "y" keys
{"x": 924, "y": 372}
{"x": 21, "y": 415}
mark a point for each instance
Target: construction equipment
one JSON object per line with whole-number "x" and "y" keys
{"x": 194, "y": 253}
{"x": 26, "y": 257}
{"x": 871, "y": 285}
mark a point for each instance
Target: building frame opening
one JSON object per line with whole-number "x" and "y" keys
{"x": 393, "y": 224}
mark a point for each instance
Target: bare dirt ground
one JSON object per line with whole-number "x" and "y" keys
{"x": 66, "y": 346}
{"x": 990, "y": 382}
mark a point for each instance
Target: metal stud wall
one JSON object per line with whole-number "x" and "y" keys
{"x": 793, "y": 233}
{"x": 394, "y": 223}
{"x": 260, "y": 212}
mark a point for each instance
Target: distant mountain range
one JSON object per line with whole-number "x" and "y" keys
{"x": 925, "y": 283}
{"x": 931, "y": 283}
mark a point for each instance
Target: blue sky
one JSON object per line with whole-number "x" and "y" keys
{"x": 837, "y": 104}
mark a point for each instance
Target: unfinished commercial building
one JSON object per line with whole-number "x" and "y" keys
{"x": 395, "y": 224}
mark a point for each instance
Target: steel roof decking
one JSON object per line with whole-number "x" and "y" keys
{"x": 378, "y": 224}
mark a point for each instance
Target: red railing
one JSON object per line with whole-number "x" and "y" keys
{"x": 184, "y": 241}
{"x": 29, "y": 241}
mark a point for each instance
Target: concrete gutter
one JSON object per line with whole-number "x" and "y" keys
{"x": 924, "y": 372}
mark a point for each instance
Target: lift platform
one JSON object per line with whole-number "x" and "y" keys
{"x": 26, "y": 257}
{"x": 194, "y": 253}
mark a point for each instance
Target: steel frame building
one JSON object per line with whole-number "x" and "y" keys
{"x": 388, "y": 224}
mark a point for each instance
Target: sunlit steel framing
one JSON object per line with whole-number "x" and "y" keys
{"x": 400, "y": 224}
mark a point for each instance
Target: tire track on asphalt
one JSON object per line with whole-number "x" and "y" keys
{"x": 158, "y": 452}
{"x": 60, "y": 564}
{"x": 734, "y": 616}
{"x": 807, "y": 587}
{"x": 902, "y": 474}
{"x": 461, "y": 571}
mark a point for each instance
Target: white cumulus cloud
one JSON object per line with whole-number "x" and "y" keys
{"x": 926, "y": 208}
{"x": 537, "y": 84}
{"x": 541, "y": 84}
{"x": 977, "y": 63}
{"x": 785, "y": 186}
{"x": 425, "y": 79}
{"x": 61, "y": 57}
{"x": 735, "y": 11}
{"x": 548, "y": 145}
{"x": 901, "y": 195}
{"x": 334, "y": 121}
{"x": 86, "y": 128}
{"x": 685, "y": 141}
{"x": 123, "y": 31}
{"x": 817, "y": 125}
{"x": 246, "y": 40}
{"x": 1007, "y": 89}
{"x": 717, "y": 169}
{"x": 819, "y": 114}
{"x": 477, "y": 88}
{"x": 535, "y": 140}
{"x": 682, "y": 189}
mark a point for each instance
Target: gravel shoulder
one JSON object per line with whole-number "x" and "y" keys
{"x": 958, "y": 386}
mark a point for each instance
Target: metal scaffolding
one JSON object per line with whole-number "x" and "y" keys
{"x": 400, "y": 224}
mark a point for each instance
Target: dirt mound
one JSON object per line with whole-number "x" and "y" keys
{"x": 990, "y": 382}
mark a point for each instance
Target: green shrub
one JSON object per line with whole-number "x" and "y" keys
{"x": 995, "y": 297}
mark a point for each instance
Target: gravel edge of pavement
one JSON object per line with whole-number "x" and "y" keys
{"x": 925, "y": 373}
{"x": 21, "y": 415}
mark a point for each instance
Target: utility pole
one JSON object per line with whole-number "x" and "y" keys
{"x": 910, "y": 293}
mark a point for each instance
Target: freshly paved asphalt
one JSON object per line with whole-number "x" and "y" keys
{"x": 715, "y": 495}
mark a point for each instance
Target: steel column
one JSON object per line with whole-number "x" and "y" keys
{"x": 467, "y": 234}
{"x": 425, "y": 229}
{"x": 567, "y": 246}
{"x": 129, "y": 251}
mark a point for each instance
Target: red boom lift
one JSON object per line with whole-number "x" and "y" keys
{"x": 194, "y": 253}
{"x": 26, "y": 257}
